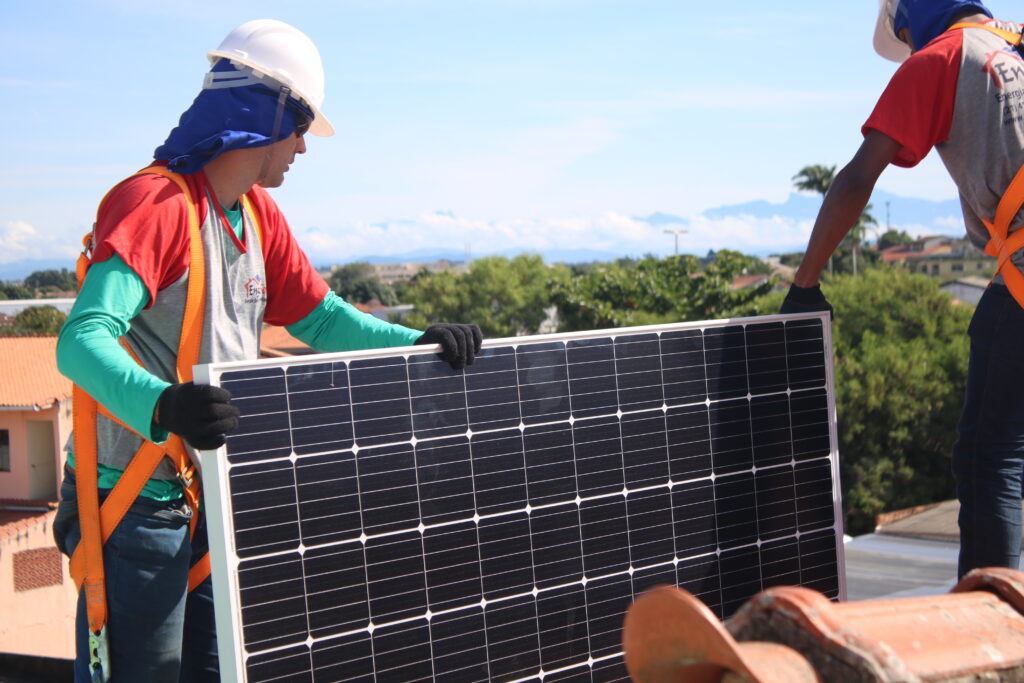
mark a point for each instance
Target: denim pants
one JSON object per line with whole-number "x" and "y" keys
{"x": 988, "y": 457}
{"x": 157, "y": 630}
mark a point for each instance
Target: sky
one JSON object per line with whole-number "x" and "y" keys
{"x": 479, "y": 126}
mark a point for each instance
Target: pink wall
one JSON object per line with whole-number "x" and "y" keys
{"x": 39, "y": 621}
{"x": 21, "y": 482}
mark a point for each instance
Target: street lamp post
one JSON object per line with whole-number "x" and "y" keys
{"x": 677, "y": 233}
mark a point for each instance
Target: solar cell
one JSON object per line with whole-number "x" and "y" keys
{"x": 379, "y": 516}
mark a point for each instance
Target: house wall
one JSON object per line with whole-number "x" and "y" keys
{"x": 14, "y": 483}
{"x": 37, "y": 596}
{"x": 946, "y": 268}
{"x": 969, "y": 294}
{"x": 36, "y": 457}
{"x": 42, "y": 466}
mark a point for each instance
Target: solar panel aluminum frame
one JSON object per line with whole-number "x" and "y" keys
{"x": 215, "y": 468}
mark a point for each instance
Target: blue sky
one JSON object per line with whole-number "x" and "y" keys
{"x": 480, "y": 124}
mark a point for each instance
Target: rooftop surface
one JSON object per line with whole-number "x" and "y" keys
{"x": 276, "y": 342}
{"x": 28, "y": 372}
{"x": 913, "y": 552}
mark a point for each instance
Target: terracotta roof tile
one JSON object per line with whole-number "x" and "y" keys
{"x": 276, "y": 342}
{"x": 28, "y": 372}
{"x": 17, "y": 515}
{"x": 744, "y": 281}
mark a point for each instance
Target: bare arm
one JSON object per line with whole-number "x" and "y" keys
{"x": 844, "y": 203}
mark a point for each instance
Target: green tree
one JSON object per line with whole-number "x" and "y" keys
{"x": 42, "y": 320}
{"x": 9, "y": 290}
{"x": 893, "y": 237}
{"x": 61, "y": 280}
{"x": 400, "y": 288}
{"x": 818, "y": 178}
{"x": 791, "y": 259}
{"x": 900, "y": 365}
{"x": 855, "y": 238}
{"x": 815, "y": 178}
{"x": 504, "y": 297}
{"x": 849, "y": 260}
{"x": 358, "y": 283}
{"x": 652, "y": 291}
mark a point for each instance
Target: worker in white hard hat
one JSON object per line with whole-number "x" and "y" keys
{"x": 187, "y": 259}
{"x": 959, "y": 89}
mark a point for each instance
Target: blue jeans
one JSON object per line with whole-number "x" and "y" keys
{"x": 988, "y": 457}
{"x": 157, "y": 630}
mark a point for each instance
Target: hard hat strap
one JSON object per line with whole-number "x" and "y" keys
{"x": 282, "y": 99}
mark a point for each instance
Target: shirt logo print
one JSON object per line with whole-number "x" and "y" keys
{"x": 255, "y": 290}
{"x": 1001, "y": 72}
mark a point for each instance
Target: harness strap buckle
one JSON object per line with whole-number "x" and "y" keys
{"x": 99, "y": 655}
{"x": 187, "y": 476}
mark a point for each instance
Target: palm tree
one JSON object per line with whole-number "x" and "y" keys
{"x": 818, "y": 178}
{"x": 858, "y": 233}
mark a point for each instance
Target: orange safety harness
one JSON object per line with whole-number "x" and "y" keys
{"x": 98, "y": 522}
{"x": 1001, "y": 244}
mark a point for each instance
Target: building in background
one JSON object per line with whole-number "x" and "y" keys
{"x": 966, "y": 289}
{"x": 390, "y": 273}
{"x": 35, "y": 418}
{"x": 940, "y": 257}
{"x": 37, "y": 595}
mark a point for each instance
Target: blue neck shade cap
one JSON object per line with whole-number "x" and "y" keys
{"x": 227, "y": 118}
{"x": 928, "y": 19}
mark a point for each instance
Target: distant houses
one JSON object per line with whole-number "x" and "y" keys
{"x": 963, "y": 270}
{"x": 37, "y": 594}
{"x": 390, "y": 273}
{"x": 941, "y": 257}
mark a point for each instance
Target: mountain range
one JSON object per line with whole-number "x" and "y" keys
{"x": 918, "y": 216}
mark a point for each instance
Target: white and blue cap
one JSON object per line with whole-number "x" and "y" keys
{"x": 925, "y": 19}
{"x": 885, "y": 41}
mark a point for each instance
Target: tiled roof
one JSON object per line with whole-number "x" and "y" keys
{"x": 28, "y": 372}
{"x": 905, "y": 252}
{"x": 745, "y": 281}
{"x": 17, "y": 515}
{"x": 276, "y": 342}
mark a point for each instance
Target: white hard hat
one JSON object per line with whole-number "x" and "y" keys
{"x": 285, "y": 54}
{"x": 885, "y": 41}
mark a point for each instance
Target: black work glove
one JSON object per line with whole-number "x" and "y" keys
{"x": 459, "y": 343}
{"x": 806, "y": 300}
{"x": 199, "y": 413}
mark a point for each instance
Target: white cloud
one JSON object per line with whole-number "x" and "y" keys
{"x": 20, "y": 240}
{"x": 951, "y": 223}
{"x": 747, "y": 234}
{"x": 609, "y": 232}
{"x": 16, "y": 239}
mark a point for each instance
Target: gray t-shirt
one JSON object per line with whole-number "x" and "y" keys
{"x": 236, "y": 296}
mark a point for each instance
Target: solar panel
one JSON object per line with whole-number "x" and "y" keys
{"x": 379, "y": 516}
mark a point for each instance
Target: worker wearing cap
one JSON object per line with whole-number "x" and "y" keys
{"x": 198, "y": 226}
{"x": 960, "y": 89}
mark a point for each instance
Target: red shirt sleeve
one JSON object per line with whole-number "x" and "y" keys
{"x": 144, "y": 219}
{"x": 294, "y": 288}
{"x": 916, "y": 109}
